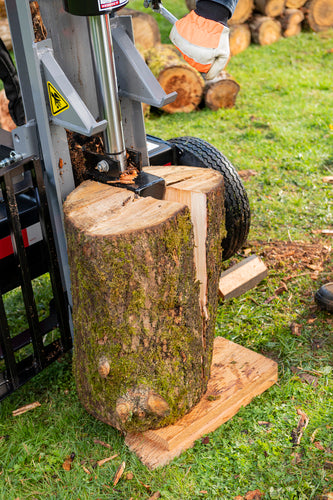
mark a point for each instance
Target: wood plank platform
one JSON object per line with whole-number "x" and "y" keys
{"x": 237, "y": 376}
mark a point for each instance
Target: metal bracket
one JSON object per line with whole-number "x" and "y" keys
{"x": 65, "y": 106}
{"x": 142, "y": 86}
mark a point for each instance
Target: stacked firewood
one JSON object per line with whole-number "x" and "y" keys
{"x": 175, "y": 75}
{"x": 266, "y": 21}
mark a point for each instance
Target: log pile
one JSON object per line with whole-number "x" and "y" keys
{"x": 264, "y": 21}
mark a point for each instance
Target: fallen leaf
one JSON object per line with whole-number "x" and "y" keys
{"x": 297, "y": 458}
{"x": 87, "y": 471}
{"x": 238, "y": 497}
{"x": 203, "y": 492}
{"x": 327, "y": 496}
{"x": 25, "y": 408}
{"x": 253, "y": 495}
{"x": 67, "y": 465}
{"x": 145, "y": 485}
{"x": 155, "y": 496}
{"x": 309, "y": 379}
{"x": 205, "y": 440}
{"x": 318, "y": 445}
{"x": 313, "y": 435}
{"x": 311, "y": 320}
{"x": 246, "y": 174}
{"x": 296, "y": 329}
{"x": 283, "y": 288}
{"x": 328, "y": 465}
{"x": 296, "y": 434}
{"x": 104, "y": 460}
{"x": 129, "y": 476}
{"x": 119, "y": 473}
{"x": 266, "y": 424}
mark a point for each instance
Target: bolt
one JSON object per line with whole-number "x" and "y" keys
{"x": 103, "y": 166}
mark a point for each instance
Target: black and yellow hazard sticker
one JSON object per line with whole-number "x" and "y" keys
{"x": 58, "y": 103}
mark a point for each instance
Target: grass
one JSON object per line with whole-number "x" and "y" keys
{"x": 282, "y": 128}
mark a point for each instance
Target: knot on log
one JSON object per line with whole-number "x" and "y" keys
{"x": 103, "y": 367}
{"x": 141, "y": 401}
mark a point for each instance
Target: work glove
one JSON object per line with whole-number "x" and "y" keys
{"x": 204, "y": 43}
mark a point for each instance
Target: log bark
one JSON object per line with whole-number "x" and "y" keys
{"x": 221, "y": 92}
{"x": 145, "y": 29}
{"x": 143, "y": 325}
{"x": 190, "y": 4}
{"x": 318, "y": 14}
{"x": 265, "y": 30}
{"x": 175, "y": 75}
{"x": 239, "y": 38}
{"x": 3, "y": 12}
{"x": 242, "y": 12}
{"x": 270, "y": 8}
{"x": 291, "y": 22}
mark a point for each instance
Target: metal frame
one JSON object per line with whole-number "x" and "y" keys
{"x": 17, "y": 373}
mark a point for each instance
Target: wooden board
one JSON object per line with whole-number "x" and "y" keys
{"x": 242, "y": 277}
{"x": 237, "y": 376}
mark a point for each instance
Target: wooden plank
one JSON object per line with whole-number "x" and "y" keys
{"x": 242, "y": 277}
{"x": 237, "y": 376}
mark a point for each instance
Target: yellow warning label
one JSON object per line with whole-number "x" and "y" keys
{"x": 57, "y": 102}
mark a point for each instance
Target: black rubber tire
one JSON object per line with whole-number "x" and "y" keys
{"x": 199, "y": 153}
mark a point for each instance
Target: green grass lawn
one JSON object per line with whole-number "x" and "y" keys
{"x": 282, "y": 129}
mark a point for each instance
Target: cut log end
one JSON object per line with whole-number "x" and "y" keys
{"x": 265, "y": 30}
{"x": 242, "y": 12}
{"x": 222, "y": 92}
{"x": 239, "y": 38}
{"x": 319, "y": 14}
{"x": 188, "y": 85}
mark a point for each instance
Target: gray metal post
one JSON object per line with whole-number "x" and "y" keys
{"x": 28, "y": 65}
{"x": 106, "y": 73}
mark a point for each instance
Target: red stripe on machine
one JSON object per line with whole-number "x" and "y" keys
{"x": 30, "y": 235}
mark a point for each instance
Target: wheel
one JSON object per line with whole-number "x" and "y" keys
{"x": 199, "y": 153}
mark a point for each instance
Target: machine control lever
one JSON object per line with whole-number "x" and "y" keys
{"x": 158, "y": 7}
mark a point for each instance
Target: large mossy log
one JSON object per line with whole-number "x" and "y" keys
{"x": 143, "y": 325}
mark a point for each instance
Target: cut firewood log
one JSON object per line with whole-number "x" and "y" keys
{"x": 294, "y": 4}
{"x": 190, "y": 4}
{"x": 242, "y": 277}
{"x": 145, "y": 29}
{"x": 3, "y": 12}
{"x": 175, "y": 75}
{"x": 6, "y": 121}
{"x": 265, "y": 30}
{"x": 291, "y": 22}
{"x": 242, "y": 12}
{"x": 221, "y": 92}
{"x": 270, "y": 8}
{"x": 239, "y": 38}
{"x": 318, "y": 14}
{"x": 143, "y": 324}
{"x": 5, "y": 34}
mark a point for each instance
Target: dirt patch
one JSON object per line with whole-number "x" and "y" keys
{"x": 295, "y": 258}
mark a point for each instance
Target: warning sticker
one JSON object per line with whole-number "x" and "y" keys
{"x": 57, "y": 102}
{"x": 104, "y": 5}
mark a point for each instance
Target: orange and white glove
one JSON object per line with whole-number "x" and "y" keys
{"x": 204, "y": 43}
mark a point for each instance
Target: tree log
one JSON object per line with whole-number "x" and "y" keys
{"x": 175, "y": 75}
{"x": 3, "y": 12}
{"x": 221, "y": 92}
{"x": 242, "y": 12}
{"x": 291, "y": 22}
{"x": 190, "y": 4}
{"x": 6, "y": 121}
{"x": 265, "y": 30}
{"x": 318, "y": 14}
{"x": 5, "y": 34}
{"x": 270, "y": 8}
{"x": 239, "y": 38}
{"x": 143, "y": 325}
{"x": 145, "y": 29}
{"x": 294, "y": 4}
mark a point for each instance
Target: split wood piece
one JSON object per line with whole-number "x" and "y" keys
{"x": 221, "y": 92}
{"x": 237, "y": 376}
{"x": 175, "y": 75}
{"x": 145, "y": 29}
{"x": 318, "y": 14}
{"x": 239, "y": 38}
{"x": 242, "y": 12}
{"x": 40, "y": 31}
{"x": 202, "y": 191}
{"x": 291, "y": 22}
{"x": 142, "y": 350}
{"x": 294, "y": 4}
{"x": 5, "y": 34}
{"x": 265, "y": 30}
{"x": 270, "y": 8}
{"x": 242, "y": 277}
